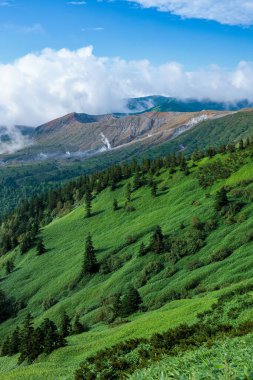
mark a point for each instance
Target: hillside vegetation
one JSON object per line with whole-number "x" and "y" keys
{"x": 195, "y": 268}
{"x": 20, "y": 180}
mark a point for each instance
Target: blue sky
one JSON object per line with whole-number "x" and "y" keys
{"x": 60, "y": 56}
{"x": 120, "y": 28}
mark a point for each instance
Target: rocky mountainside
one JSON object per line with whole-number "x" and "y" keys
{"x": 82, "y": 135}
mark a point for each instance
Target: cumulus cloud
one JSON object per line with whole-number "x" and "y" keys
{"x": 39, "y": 87}
{"x": 230, "y": 12}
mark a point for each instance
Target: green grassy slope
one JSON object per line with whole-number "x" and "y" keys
{"x": 53, "y": 275}
{"x": 229, "y": 359}
{"x": 23, "y": 180}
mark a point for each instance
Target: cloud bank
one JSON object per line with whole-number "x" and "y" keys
{"x": 230, "y": 12}
{"x": 39, "y": 87}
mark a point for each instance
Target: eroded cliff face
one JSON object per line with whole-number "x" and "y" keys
{"x": 82, "y": 135}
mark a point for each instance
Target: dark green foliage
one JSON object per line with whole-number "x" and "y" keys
{"x": 26, "y": 244}
{"x": 78, "y": 327}
{"x": 221, "y": 199}
{"x": 154, "y": 189}
{"x": 90, "y": 264}
{"x": 48, "y": 303}
{"x": 117, "y": 362}
{"x": 26, "y": 338}
{"x": 65, "y": 326}
{"x": 52, "y": 338}
{"x": 137, "y": 181}
{"x": 88, "y": 199}
{"x": 150, "y": 270}
{"x": 30, "y": 342}
{"x": 40, "y": 247}
{"x": 9, "y": 266}
{"x": 211, "y": 172}
{"x": 115, "y": 205}
{"x": 110, "y": 308}
{"x": 7, "y": 307}
{"x": 130, "y": 302}
{"x": 142, "y": 250}
{"x": 222, "y": 254}
{"x": 128, "y": 193}
{"x": 157, "y": 244}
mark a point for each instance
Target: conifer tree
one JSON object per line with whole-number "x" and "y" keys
{"x": 115, "y": 205}
{"x": 241, "y": 144}
{"x": 128, "y": 193}
{"x": 154, "y": 189}
{"x": 90, "y": 264}
{"x": 130, "y": 302}
{"x": 65, "y": 325}
{"x": 40, "y": 247}
{"x": 88, "y": 199}
{"x": 15, "y": 341}
{"x": 52, "y": 338}
{"x": 77, "y": 327}
{"x": 26, "y": 338}
{"x": 157, "y": 241}
{"x": 137, "y": 182}
{"x": 6, "y": 347}
{"x": 221, "y": 199}
{"x": 9, "y": 267}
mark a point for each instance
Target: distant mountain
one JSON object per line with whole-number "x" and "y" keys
{"x": 168, "y": 104}
{"x": 81, "y": 135}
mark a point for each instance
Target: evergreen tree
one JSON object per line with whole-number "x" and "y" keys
{"x": 157, "y": 241}
{"x": 241, "y": 144}
{"x": 154, "y": 189}
{"x": 40, "y": 247}
{"x": 36, "y": 344}
{"x": 6, "y": 307}
{"x": 221, "y": 199}
{"x": 90, "y": 264}
{"x": 88, "y": 199}
{"x": 6, "y": 347}
{"x": 130, "y": 303}
{"x": 26, "y": 244}
{"x": 77, "y": 327}
{"x": 142, "y": 250}
{"x": 137, "y": 182}
{"x": 52, "y": 338}
{"x": 65, "y": 325}
{"x": 9, "y": 266}
{"x": 26, "y": 338}
{"x": 115, "y": 205}
{"x": 128, "y": 192}
{"x": 15, "y": 342}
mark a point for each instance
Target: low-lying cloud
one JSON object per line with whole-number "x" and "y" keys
{"x": 230, "y": 12}
{"x": 39, "y": 87}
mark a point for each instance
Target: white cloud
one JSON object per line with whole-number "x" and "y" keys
{"x": 96, "y": 29}
{"x": 25, "y": 29}
{"x": 231, "y": 12}
{"x": 39, "y": 87}
{"x": 77, "y": 2}
{"x": 6, "y": 4}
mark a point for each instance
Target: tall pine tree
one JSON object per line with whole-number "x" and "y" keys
{"x": 90, "y": 264}
{"x": 157, "y": 244}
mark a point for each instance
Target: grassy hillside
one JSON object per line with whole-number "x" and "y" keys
{"x": 197, "y": 278}
{"x": 22, "y": 180}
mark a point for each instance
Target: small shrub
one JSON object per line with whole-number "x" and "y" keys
{"x": 222, "y": 254}
{"x": 48, "y": 303}
{"x": 194, "y": 264}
